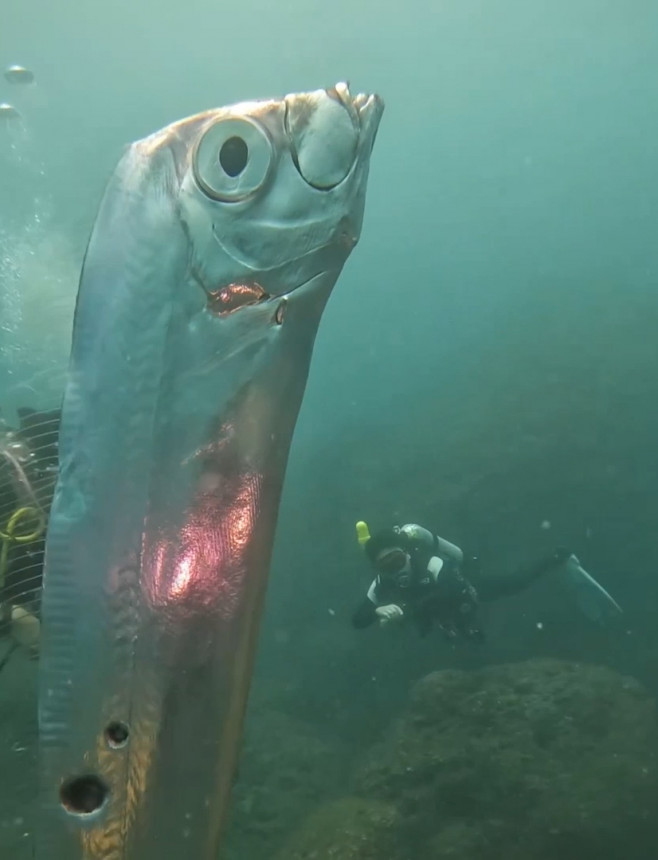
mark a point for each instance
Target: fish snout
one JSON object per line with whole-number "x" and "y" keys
{"x": 368, "y": 107}
{"x": 327, "y": 130}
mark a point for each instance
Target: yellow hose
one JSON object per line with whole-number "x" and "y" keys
{"x": 12, "y": 536}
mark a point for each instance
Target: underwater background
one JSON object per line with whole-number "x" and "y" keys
{"x": 486, "y": 367}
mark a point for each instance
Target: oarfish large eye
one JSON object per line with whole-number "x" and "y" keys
{"x": 233, "y": 159}
{"x": 324, "y": 138}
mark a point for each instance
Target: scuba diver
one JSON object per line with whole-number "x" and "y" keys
{"x": 423, "y": 579}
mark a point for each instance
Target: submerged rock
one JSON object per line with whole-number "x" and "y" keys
{"x": 286, "y": 770}
{"x": 347, "y": 829}
{"x": 543, "y": 759}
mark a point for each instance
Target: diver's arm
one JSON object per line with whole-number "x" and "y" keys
{"x": 370, "y": 610}
{"x": 365, "y": 615}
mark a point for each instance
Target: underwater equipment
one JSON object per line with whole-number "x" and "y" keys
{"x": 34, "y": 525}
{"x": 392, "y": 561}
{"x": 22, "y": 518}
{"x": 22, "y": 523}
{"x": 27, "y": 456}
{"x": 388, "y": 538}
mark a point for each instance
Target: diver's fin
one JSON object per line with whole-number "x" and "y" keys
{"x": 592, "y": 598}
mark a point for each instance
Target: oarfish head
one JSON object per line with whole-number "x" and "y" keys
{"x": 272, "y": 192}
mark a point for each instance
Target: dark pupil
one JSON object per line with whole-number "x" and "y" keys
{"x": 233, "y": 156}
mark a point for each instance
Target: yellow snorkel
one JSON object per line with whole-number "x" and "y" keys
{"x": 362, "y": 533}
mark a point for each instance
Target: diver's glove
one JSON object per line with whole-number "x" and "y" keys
{"x": 388, "y": 613}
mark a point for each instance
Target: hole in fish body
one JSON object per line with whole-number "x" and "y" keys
{"x": 83, "y": 794}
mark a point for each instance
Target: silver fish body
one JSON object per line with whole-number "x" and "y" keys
{"x": 215, "y": 249}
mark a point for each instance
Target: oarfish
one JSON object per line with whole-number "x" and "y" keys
{"x": 214, "y": 251}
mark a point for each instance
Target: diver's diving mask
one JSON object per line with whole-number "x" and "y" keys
{"x": 393, "y": 563}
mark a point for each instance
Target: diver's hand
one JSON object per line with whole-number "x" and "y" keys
{"x": 389, "y": 613}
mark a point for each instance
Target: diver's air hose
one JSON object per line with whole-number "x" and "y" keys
{"x": 11, "y": 535}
